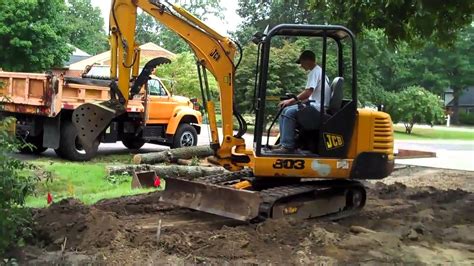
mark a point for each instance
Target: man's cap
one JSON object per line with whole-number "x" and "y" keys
{"x": 307, "y": 54}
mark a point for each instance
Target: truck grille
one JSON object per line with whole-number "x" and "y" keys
{"x": 383, "y": 134}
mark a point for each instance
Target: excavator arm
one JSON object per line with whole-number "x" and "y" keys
{"x": 214, "y": 53}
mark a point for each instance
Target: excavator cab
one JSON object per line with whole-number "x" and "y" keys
{"x": 315, "y": 130}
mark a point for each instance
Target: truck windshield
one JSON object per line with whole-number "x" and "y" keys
{"x": 155, "y": 88}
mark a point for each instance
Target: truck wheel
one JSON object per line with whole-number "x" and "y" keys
{"x": 36, "y": 147}
{"x": 133, "y": 143}
{"x": 185, "y": 136}
{"x": 70, "y": 147}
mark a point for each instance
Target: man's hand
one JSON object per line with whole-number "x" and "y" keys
{"x": 285, "y": 103}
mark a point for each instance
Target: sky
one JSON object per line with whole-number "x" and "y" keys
{"x": 229, "y": 24}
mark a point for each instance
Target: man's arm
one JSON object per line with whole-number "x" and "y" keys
{"x": 304, "y": 95}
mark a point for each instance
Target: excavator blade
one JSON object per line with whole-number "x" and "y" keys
{"x": 90, "y": 119}
{"x": 237, "y": 204}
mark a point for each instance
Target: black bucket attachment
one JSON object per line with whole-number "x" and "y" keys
{"x": 225, "y": 201}
{"x": 91, "y": 119}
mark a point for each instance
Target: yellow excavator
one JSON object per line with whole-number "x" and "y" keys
{"x": 319, "y": 179}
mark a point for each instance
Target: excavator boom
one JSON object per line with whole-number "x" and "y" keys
{"x": 214, "y": 52}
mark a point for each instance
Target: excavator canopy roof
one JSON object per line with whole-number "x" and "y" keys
{"x": 335, "y": 32}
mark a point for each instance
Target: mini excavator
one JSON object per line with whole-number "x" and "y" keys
{"x": 319, "y": 179}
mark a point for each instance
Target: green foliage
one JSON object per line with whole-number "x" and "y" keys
{"x": 86, "y": 26}
{"x": 149, "y": 30}
{"x": 466, "y": 119}
{"x": 415, "y": 105}
{"x": 284, "y": 76}
{"x": 407, "y": 20}
{"x": 118, "y": 179}
{"x": 33, "y": 35}
{"x": 15, "y": 185}
{"x": 181, "y": 76}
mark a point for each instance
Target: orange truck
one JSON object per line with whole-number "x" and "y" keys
{"x": 43, "y": 104}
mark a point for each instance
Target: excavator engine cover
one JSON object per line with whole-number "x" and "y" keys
{"x": 90, "y": 119}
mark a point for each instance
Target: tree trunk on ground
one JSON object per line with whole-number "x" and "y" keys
{"x": 190, "y": 172}
{"x": 173, "y": 155}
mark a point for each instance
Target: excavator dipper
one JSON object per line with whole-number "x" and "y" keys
{"x": 319, "y": 179}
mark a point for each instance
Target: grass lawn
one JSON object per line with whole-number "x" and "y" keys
{"x": 433, "y": 133}
{"x": 84, "y": 181}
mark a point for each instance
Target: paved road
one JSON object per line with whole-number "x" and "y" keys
{"x": 453, "y": 154}
{"x": 450, "y": 154}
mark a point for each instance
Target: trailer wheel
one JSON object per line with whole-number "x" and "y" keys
{"x": 36, "y": 147}
{"x": 70, "y": 147}
{"x": 185, "y": 136}
{"x": 132, "y": 142}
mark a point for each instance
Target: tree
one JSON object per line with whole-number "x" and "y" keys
{"x": 32, "y": 35}
{"x": 181, "y": 76}
{"x": 284, "y": 76}
{"x": 149, "y": 30}
{"x": 406, "y": 20}
{"x": 415, "y": 105}
{"x": 86, "y": 26}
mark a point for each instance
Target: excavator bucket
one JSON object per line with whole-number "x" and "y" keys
{"x": 91, "y": 119}
{"x": 224, "y": 201}
{"x": 143, "y": 179}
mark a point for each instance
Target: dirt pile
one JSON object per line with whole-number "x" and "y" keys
{"x": 406, "y": 220}
{"x": 76, "y": 226}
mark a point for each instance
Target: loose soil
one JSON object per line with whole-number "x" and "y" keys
{"x": 416, "y": 216}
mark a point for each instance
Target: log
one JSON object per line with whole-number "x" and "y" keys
{"x": 189, "y": 172}
{"x": 173, "y": 155}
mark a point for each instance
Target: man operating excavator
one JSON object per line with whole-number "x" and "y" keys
{"x": 311, "y": 94}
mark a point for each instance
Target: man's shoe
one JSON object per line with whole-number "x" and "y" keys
{"x": 272, "y": 147}
{"x": 282, "y": 150}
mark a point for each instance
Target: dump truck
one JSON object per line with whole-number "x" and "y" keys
{"x": 43, "y": 105}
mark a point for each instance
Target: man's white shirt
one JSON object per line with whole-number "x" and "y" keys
{"x": 314, "y": 81}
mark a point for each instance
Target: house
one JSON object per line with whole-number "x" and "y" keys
{"x": 147, "y": 52}
{"x": 465, "y": 102}
{"x": 76, "y": 56}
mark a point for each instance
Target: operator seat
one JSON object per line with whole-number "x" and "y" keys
{"x": 337, "y": 93}
{"x": 308, "y": 117}
{"x": 308, "y": 123}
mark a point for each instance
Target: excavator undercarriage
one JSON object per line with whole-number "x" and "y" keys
{"x": 332, "y": 199}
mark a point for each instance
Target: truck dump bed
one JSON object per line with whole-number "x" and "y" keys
{"x": 47, "y": 95}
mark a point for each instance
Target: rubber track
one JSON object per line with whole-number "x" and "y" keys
{"x": 271, "y": 195}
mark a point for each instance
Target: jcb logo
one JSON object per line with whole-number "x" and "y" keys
{"x": 215, "y": 55}
{"x": 333, "y": 141}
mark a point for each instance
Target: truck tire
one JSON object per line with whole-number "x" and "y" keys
{"x": 185, "y": 136}
{"x": 132, "y": 142}
{"x": 70, "y": 147}
{"x": 36, "y": 147}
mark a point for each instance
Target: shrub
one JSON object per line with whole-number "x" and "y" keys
{"x": 15, "y": 185}
{"x": 466, "y": 119}
{"x": 415, "y": 105}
